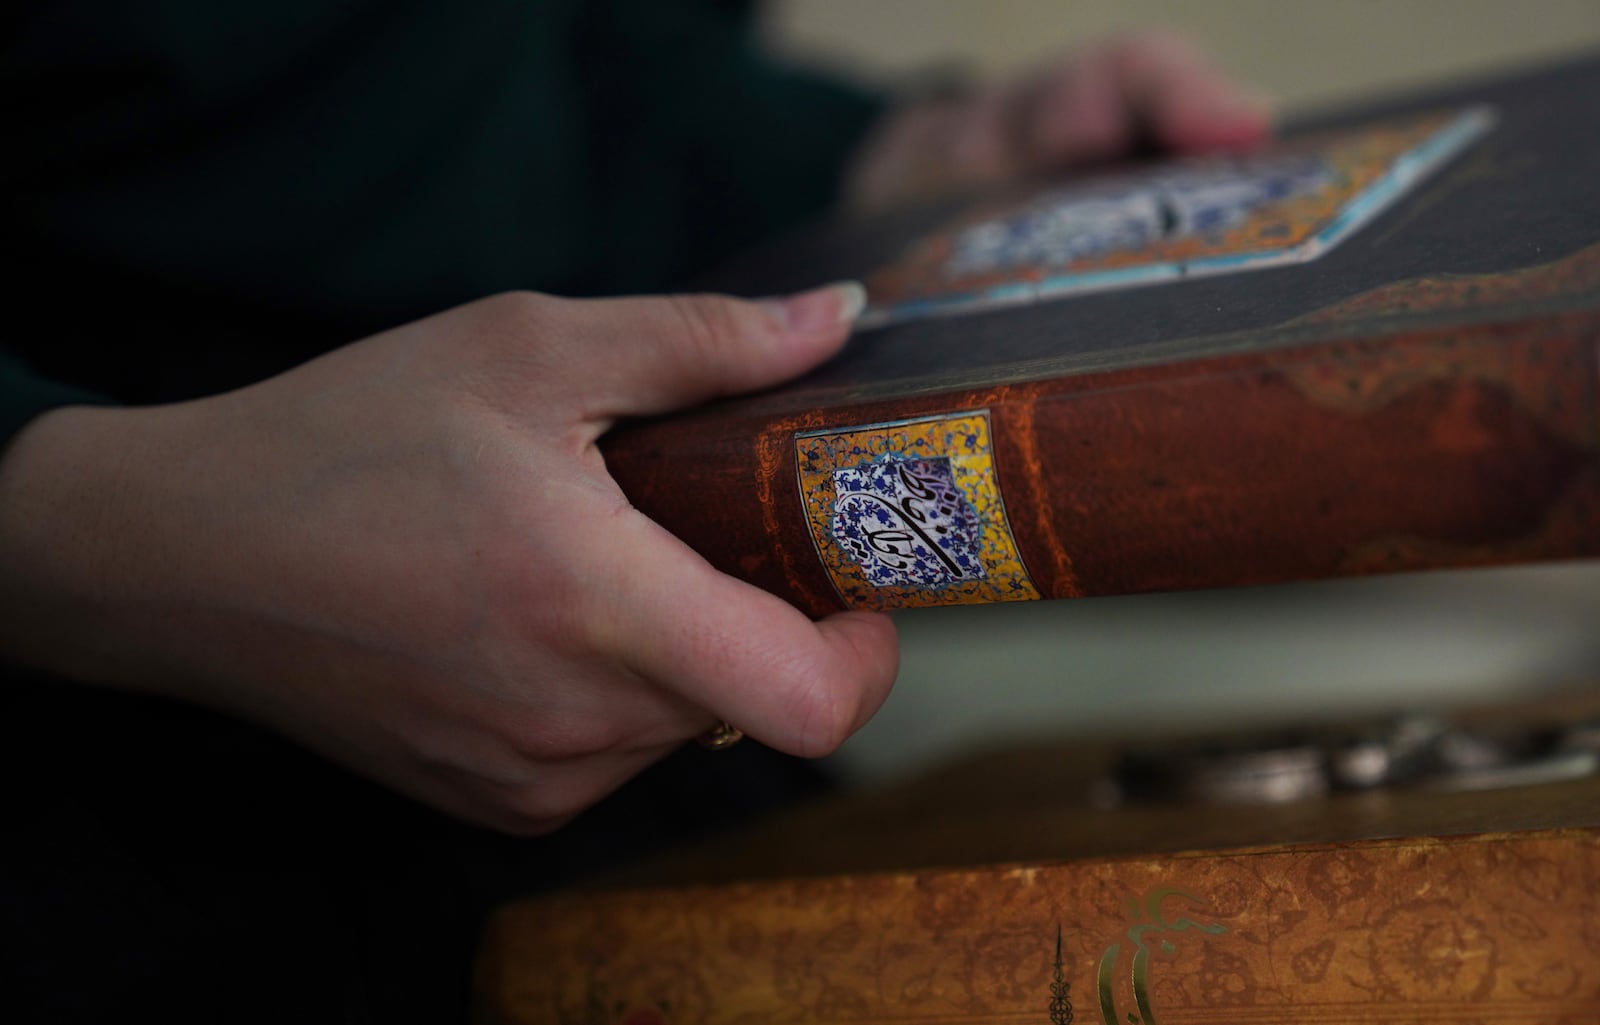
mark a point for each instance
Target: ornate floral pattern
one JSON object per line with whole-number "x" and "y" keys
{"x": 905, "y": 523}
{"x": 1080, "y": 222}
{"x": 909, "y": 513}
{"x": 980, "y": 947}
{"x": 1213, "y": 215}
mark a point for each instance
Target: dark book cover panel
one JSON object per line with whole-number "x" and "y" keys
{"x": 1372, "y": 348}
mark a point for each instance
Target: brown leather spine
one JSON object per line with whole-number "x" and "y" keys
{"x": 1440, "y": 444}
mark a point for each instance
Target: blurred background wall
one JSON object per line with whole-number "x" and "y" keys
{"x": 1120, "y": 666}
{"x": 1301, "y": 51}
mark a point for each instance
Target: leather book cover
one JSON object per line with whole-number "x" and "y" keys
{"x": 1010, "y": 887}
{"x": 1370, "y": 347}
{"x": 1463, "y": 930}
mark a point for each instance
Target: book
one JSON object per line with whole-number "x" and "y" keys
{"x": 1006, "y": 888}
{"x": 1367, "y": 348}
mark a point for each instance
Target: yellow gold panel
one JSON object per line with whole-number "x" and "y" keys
{"x": 909, "y": 513}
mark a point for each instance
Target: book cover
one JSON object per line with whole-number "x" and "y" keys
{"x": 1008, "y": 887}
{"x": 1463, "y": 930}
{"x": 1369, "y": 348}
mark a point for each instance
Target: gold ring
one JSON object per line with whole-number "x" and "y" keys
{"x": 720, "y": 736}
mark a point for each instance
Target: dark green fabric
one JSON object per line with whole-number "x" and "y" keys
{"x": 24, "y": 395}
{"x": 200, "y": 193}
{"x": 206, "y": 193}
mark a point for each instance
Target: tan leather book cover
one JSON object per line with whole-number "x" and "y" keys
{"x": 1489, "y": 929}
{"x": 1008, "y": 888}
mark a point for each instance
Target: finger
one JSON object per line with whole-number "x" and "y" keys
{"x": 1154, "y": 85}
{"x": 1183, "y": 102}
{"x": 654, "y": 354}
{"x": 740, "y": 653}
{"x": 1074, "y": 115}
{"x": 558, "y": 792}
{"x": 602, "y": 707}
{"x": 546, "y": 795}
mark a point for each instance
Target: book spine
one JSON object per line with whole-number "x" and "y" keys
{"x": 1439, "y": 446}
{"x": 1499, "y": 928}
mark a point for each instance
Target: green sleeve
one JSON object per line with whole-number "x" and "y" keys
{"x": 759, "y": 146}
{"x": 786, "y": 134}
{"x": 24, "y": 395}
{"x": 222, "y": 192}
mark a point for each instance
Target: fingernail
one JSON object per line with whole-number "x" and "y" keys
{"x": 820, "y": 309}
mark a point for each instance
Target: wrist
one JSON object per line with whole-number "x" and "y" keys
{"x": 72, "y": 553}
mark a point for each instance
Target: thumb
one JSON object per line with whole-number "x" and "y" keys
{"x": 654, "y": 354}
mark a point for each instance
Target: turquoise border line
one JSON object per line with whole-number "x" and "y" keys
{"x": 1406, "y": 171}
{"x": 890, "y": 424}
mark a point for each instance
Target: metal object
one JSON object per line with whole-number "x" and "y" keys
{"x": 1239, "y": 769}
{"x": 1410, "y": 751}
{"x": 720, "y": 737}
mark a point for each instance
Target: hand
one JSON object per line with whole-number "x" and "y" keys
{"x": 407, "y": 554}
{"x": 1150, "y": 88}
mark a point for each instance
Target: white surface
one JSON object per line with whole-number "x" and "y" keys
{"x": 1114, "y": 666}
